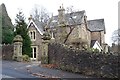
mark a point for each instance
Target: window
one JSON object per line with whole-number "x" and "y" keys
{"x": 34, "y": 52}
{"x": 74, "y": 17}
{"x": 32, "y": 35}
{"x": 54, "y": 21}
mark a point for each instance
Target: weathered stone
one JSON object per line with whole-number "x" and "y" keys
{"x": 83, "y": 61}
{"x": 7, "y": 52}
{"x": 17, "y": 48}
{"x": 44, "y": 57}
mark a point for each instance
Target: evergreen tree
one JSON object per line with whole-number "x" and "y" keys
{"x": 21, "y": 29}
{"x": 6, "y": 27}
{"x": 7, "y": 36}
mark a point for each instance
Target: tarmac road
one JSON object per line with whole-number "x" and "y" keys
{"x": 13, "y": 69}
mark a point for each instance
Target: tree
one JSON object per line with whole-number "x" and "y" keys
{"x": 21, "y": 29}
{"x": 40, "y": 14}
{"x": 7, "y": 36}
{"x": 116, "y": 36}
{"x": 6, "y": 26}
{"x": 70, "y": 9}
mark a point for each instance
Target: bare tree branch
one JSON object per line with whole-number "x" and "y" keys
{"x": 71, "y": 29}
{"x": 40, "y": 13}
{"x": 116, "y": 36}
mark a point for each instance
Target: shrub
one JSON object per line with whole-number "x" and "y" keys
{"x": 90, "y": 50}
{"x": 96, "y": 50}
{"x": 26, "y": 58}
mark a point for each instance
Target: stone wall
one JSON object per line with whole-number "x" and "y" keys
{"x": 7, "y": 52}
{"x": 93, "y": 64}
{"x": 95, "y": 36}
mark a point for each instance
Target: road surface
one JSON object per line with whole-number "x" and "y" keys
{"x": 13, "y": 69}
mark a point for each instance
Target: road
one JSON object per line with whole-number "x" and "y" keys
{"x": 12, "y": 69}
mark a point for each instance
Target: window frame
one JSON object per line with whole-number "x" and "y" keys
{"x": 32, "y": 34}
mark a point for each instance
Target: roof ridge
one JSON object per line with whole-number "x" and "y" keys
{"x": 72, "y": 12}
{"x": 96, "y": 19}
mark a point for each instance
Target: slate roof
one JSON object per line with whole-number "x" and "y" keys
{"x": 77, "y": 16}
{"x": 96, "y": 25}
{"x": 40, "y": 25}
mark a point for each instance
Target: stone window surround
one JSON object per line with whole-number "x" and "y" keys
{"x": 32, "y": 34}
{"x": 33, "y": 57}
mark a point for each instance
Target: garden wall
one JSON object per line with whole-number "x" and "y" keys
{"x": 7, "y": 52}
{"x": 84, "y": 62}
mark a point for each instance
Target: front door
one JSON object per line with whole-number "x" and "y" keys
{"x": 34, "y": 52}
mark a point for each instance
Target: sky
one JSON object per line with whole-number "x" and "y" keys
{"x": 95, "y": 9}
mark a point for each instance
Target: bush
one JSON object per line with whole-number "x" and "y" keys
{"x": 26, "y": 58}
{"x": 96, "y": 50}
{"x": 90, "y": 50}
{"x": 89, "y": 63}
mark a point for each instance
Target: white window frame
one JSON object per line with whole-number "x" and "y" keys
{"x": 33, "y": 57}
{"x": 32, "y": 36}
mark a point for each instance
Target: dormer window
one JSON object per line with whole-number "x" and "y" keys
{"x": 32, "y": 35}
{"x": 74, "y": 17}
{"x": 54, "y": 21}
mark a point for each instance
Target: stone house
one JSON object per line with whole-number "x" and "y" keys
{"x": 84, "y": 30}
{"x": 75, "y": 22}
{"x": 35, "y": 32}
{"x": 69, "y": 28}
{"x": 97, "y": 29}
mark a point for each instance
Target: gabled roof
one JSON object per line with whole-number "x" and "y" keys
{"x": 38, "y": 25}
{"x": 92, "y": 43}
{"x": 96, "y": 25}
{"x": 77, "y": 16}
{"x": 95, "y": 44}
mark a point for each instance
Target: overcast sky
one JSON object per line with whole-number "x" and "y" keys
{"x": 95, "y": 9}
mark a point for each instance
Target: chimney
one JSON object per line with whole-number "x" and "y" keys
{"x": 30, "y": 18}
{"x": 61, "y": 15}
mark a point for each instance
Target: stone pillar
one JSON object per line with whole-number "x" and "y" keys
{"x": 105, "y": 49}
{"x": 44, "y": 58}
{"x": 113, "y": 47}
{"x": 45, "y": 41}
{"x": 17, "y": 55}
